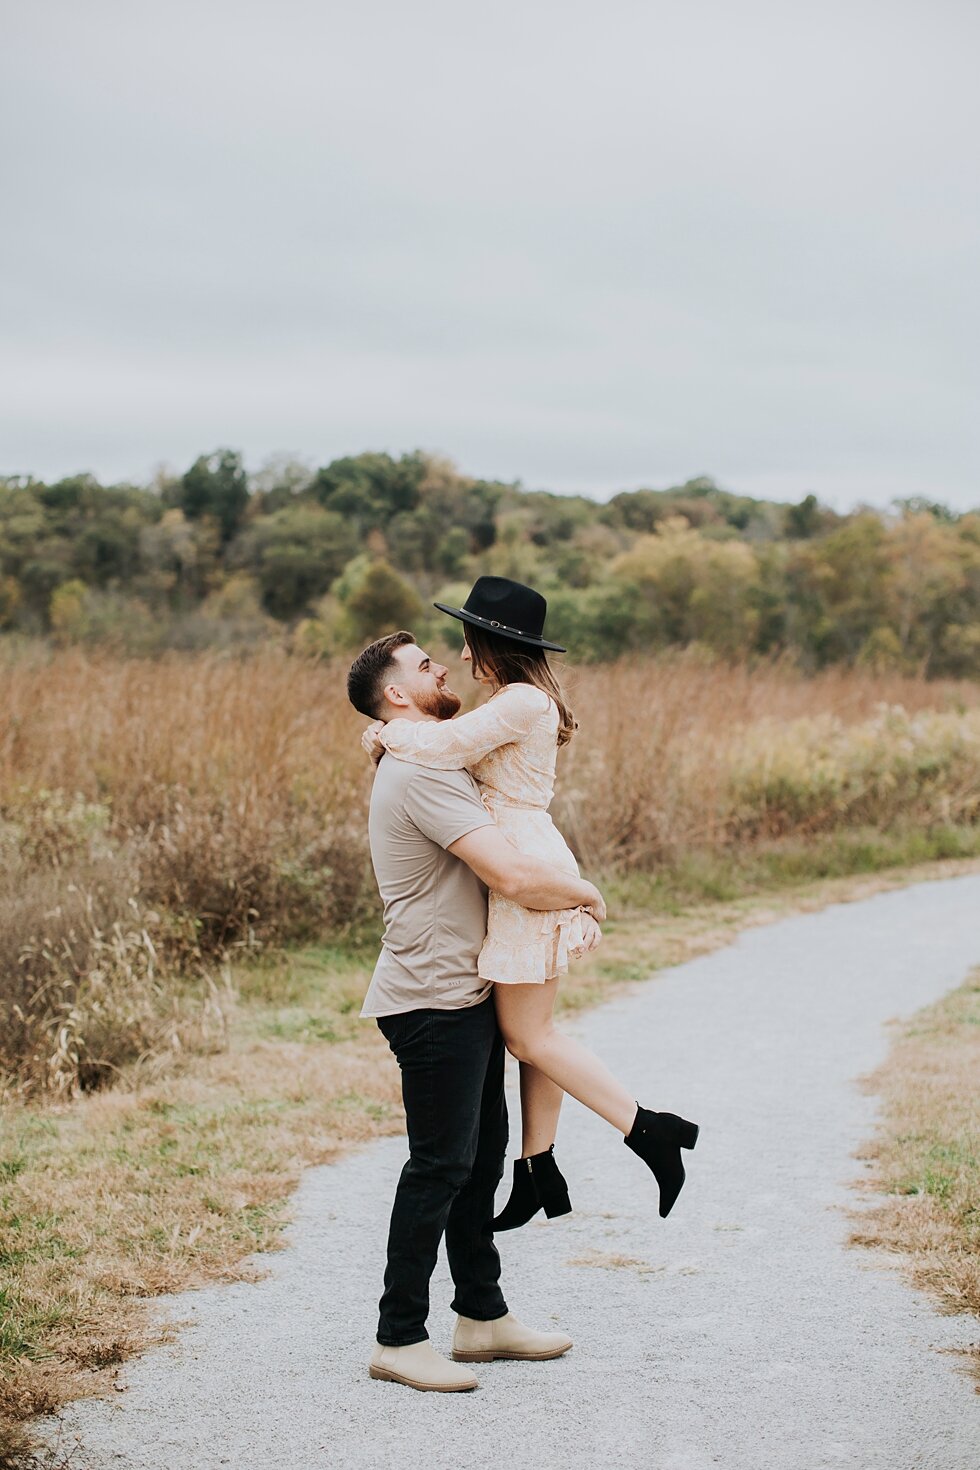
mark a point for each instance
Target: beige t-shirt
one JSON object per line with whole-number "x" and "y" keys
{"x": 435, "y": 907}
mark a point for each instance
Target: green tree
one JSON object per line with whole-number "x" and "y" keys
{"x": 882, "y": 652}
{"x": 599, "y": 622}
{"x": 692, "y": 589}
{"x": 215, "y": 485}
{"x": 914, "y": 505}
{"x": 926, "y": 574}
{"x": 723, "y": 612}
{"x": 83, "y": 614}
{"x": 368, "y": 489}
{"x": 279, "y": 482}
{"x": 41, "y": 574}
{"x": 805, "y": 519}
{"x": 960, "y": 651}
{"x": 635, "y": 510}
{"x": 376, "y": 600}
{"x": 769, "y": 597}
{"x": 838, "y": 589}
{"x": 452, "y": 552}
{"x": 661, "y": 570}
{"x": 180, "y": 561}
{"x": 69, "y": 613}
{"x": 294, "y": 555}
{"x": 513, "y": 553}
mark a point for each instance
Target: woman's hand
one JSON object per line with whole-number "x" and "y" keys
{"x": 591, "y": 933}
{"x": 370, "y": 743}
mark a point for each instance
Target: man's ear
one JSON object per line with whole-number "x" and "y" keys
{"x": 395, "y": 696}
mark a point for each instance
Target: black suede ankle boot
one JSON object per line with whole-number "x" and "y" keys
{"x": 658, "y": 1139}
{"x": 538, "y": 1184}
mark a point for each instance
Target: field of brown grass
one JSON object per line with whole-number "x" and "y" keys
{"x": 159, "y": 816}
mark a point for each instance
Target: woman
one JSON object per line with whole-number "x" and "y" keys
{"x": 509, "y": 746}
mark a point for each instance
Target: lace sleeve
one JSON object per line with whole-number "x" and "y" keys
{"x": 449, "y": 745}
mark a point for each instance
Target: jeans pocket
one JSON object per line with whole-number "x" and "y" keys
{"x": 408, "y": 1034}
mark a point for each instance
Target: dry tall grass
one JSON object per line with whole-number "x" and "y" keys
{"x": 926, "y": 1154}
{"x": 676, "y": 755}
{"x": 156, "y": 814}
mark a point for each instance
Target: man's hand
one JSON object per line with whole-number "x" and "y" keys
{"x": 527, "y": 880}
{"x": 370, "y": 743}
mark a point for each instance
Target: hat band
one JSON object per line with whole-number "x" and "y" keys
{"x": 492, "y": 623}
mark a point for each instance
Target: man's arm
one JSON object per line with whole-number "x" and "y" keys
{"x": 527, "y": 880}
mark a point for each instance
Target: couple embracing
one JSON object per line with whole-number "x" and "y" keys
{"x": 484, "y": 907}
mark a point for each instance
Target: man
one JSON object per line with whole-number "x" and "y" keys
{"x": 435, "y": 851}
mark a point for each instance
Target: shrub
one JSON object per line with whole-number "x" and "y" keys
{"x": 85, "y": 988}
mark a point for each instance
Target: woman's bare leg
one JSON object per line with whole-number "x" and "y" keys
{"x": 541, "y": 1101}
{"x": 525, "y": 1016}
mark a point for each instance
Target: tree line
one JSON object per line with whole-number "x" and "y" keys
{"x": 327, "y": 558}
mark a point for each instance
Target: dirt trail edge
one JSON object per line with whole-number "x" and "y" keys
{"x": 739, "y": 1333}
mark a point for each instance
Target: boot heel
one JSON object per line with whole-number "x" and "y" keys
{"x": 551, "y": 1185}
{"x": 678, "y": 1130}
{"x": 557, "y": 1204}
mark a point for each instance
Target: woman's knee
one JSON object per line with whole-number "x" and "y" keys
{"x": 515, "y": 1047}
{"x": 525, "y": 1042}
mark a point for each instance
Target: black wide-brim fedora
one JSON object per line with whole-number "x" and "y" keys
{"x": 507, "y": 609}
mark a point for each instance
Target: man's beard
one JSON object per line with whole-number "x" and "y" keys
{"x": 441, "y": 704}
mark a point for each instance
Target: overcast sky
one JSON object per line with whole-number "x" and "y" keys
{"x": 589, "y": 246}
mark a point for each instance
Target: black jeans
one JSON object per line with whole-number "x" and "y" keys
{"x": 452, "y": 1066}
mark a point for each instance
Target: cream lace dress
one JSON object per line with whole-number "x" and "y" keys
{"x": 509, "y": 746}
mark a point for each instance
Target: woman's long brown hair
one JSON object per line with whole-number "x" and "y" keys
{"x": 508, "y": 662}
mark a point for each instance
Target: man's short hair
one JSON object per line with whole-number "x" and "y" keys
{"x": 371, "y": 671}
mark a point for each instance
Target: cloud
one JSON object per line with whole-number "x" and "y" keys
{"x": 585, "y": 248}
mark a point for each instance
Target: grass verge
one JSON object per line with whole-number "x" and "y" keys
{"x": 926, "y": 1154}
{"x": 172, "y": 1179}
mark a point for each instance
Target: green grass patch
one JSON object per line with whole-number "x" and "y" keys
{"x": 310, "y": 995}
{"x": 724, "y": 877}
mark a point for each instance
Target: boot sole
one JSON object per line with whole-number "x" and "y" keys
{"x": 552, "y": 1214}
{"x": 463, "y": 1357}
{"x": 388, "y": 1377}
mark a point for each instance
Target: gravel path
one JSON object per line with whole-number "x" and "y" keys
{"x": 739, "y": 1333}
